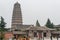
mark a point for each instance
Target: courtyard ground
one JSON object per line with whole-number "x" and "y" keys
{"x": 46, "y": 39}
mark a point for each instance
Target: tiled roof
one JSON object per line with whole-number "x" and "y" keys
{"x": 39, "y": 28}
{"x": 31, "y": 27}
{"x": 21, "y": 26}
{"x": 18, "y": 32}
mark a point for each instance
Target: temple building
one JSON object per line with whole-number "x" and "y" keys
{"x": 19, "y": 31}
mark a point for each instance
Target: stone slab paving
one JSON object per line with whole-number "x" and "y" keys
{"x": 52, "y": 39}
{"x": 45, "y": 39}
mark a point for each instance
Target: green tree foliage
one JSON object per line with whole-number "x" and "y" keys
{"x": 52, "y": 25}
{"x": 2, "y": 28}
{"x": 2, "y": 24}
{"x": 49, "y": 24}
{"x": 37, "y": 23}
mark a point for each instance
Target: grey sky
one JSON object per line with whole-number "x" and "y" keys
{"x": 32, "y": 10}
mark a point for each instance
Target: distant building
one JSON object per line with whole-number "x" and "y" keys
{"x": 57, "y": 26}
{"x": 8, "y": 35}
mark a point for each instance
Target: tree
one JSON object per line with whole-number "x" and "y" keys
{"x": 37, "y": 23}
{"x": 2, "y": 24}
{"x": 52, "y": 25}
{"x": 49, "y": 24}
{"x": 2, "y": 28}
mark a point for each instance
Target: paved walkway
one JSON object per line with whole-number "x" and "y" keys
{"x": 46, "y": 39}
{"x": 50, "y": 39}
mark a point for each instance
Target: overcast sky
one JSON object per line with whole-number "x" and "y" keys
{"x": 32, "y": 10}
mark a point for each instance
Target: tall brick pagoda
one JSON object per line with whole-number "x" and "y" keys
{"x": 17, "y": 15}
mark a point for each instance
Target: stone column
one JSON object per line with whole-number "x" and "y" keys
{"x": 51, "y": 36}
{"x": 42, "y": 35}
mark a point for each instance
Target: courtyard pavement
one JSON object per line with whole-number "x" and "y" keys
{"x": 52, "y": 39}
{"x": 46, "y": 39}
